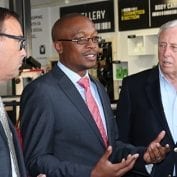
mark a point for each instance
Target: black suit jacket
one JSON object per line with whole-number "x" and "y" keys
{"x": 60, "y": 136}
{"x": 5, "y": 162}
{"x": 141, "y": 117}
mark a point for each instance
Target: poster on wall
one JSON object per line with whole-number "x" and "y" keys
{"x": 162, "y": 11}
{"x": 40, "y": 35}
{"x": 133, "y": 14}
{"x": 101, "y": 13}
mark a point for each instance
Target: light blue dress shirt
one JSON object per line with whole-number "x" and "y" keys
{"x": 169, "y": 101}
{"x": 74, "y": 77}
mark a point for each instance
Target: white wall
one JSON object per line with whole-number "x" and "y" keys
{"x": 42, "y": 22}
{"x": 119, "y": 41}
{"x": 138, "y": 62}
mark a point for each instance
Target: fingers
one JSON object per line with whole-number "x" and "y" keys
{"x": 130, "y": 158}
{"x": 167, "y": 147}
{"x": 104, "y": 167}
{"x": 126, "y": 164}
{"x": 41, "y": 175}
{"x": 155, "y": 152}
{"x": 160, "y": 136}
{"x": 107, "y": 153}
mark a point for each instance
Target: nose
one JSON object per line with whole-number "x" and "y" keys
{"x": 23, "y": 52}
{"x": 167, "y": 50}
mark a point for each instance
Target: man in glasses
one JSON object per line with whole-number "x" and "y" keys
{"x": 11, "y": 56}
{"x": 12, "y": 52}
{"x": 67, "y": 122}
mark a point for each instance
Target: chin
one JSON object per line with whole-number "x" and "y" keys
{"x": 15, "y": 74}
{"x": 92, "y": 66}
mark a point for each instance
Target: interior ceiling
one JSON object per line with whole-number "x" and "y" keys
{"x": 40, "y": 3}
{"x": 35, "y": 3}
{"x": 50, "y": 3}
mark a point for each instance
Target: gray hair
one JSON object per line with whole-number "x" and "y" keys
{"x": 167, "y": 25}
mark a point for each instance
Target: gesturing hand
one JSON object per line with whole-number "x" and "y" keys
{"x": 104, "y": 168}
{"x": 155, "y": 152}
{"x": 41, "y": 175}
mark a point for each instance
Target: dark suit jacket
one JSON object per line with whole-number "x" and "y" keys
{"x": 60, "y": 136}
{"x": 5, "y": 162}
{"x": 141, "y": 117}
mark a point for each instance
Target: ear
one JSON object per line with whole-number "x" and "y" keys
{"x": 58, "y": 47}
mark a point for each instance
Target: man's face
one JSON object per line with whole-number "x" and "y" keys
{"x": 167, "y": 51}
{"x": 79, "y": 57}
{"x": 11, "y": 56}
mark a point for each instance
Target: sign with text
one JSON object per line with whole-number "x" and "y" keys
{"x": 139, "y": 14}
{"x": 40, "y": 35}
{"x": 101, "y": 13}
{"x": 133, "y": 14}
{"x": 162, "y": 11}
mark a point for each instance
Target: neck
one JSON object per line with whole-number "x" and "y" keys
{"x": 172, "y": 78}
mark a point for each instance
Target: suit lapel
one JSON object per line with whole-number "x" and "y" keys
{"x": 18, "y": 151}
{"x": 2, "y": 133}
{"x": 17, "y": 147}
{"x": 153, "y": 94}
{"x": 74, "y": 96}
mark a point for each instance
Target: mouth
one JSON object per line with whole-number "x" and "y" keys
{"x": 90, "y": 56}
{"x": 166, "y": 62}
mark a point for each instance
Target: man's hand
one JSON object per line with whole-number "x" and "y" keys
{"x": 41, "y": 175}
{"x": 155, "y": 153}
{"x": 104, "y": 168}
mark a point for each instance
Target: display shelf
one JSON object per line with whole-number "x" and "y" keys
{"x": 120, "y": 70}
{"x": 142, "y": 44}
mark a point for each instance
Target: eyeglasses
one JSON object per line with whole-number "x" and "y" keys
{"x": 19, "y": 38}
{"x": 83, "y": 41}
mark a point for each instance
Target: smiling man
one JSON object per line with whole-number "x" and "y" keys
{"x": 67, "y": 122}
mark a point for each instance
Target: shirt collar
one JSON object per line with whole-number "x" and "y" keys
{"x": 73, "y": 76}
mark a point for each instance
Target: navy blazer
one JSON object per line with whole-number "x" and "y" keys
{"x": 140, "y": 116}
{"x": 59, "y": 133}
{"x": 5, "y": 161}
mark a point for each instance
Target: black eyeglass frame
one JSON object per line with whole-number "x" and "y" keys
{"x": 19, "y": 38}
{"x": 83, "y": 41}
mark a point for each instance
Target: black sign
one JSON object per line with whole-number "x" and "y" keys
{"x": 162, "y": 11}
{"x": 133, "y": 14}
{"x": 138, "y": 14}
{"x": 101, "y": 13}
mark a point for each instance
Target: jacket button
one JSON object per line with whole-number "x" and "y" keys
{"x": 175, "y": 149}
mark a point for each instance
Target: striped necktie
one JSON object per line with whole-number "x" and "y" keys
{"x": 4, "y": 122}
{"x": 93, "y": 108}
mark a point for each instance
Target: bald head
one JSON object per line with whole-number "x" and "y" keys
{"x": 63, "y": 25}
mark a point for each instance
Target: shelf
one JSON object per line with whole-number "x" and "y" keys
{"x": 142, "y": 44}
{"x": 120, "y": 70}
